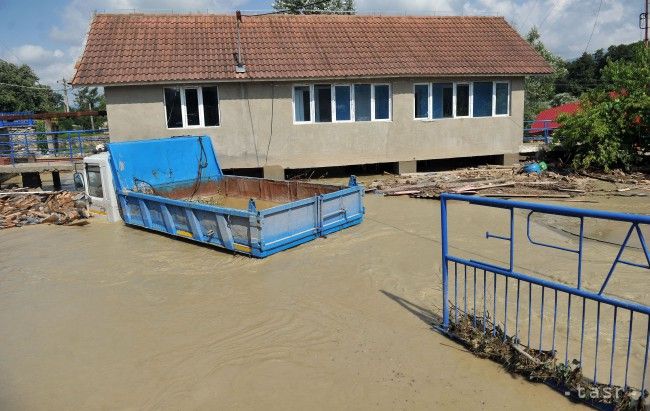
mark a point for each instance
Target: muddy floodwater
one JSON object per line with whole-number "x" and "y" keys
{"x": 111, "y": 317}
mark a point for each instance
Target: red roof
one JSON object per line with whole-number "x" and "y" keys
{"x": 548, "y": 118}
{"x": 140, "y": 48}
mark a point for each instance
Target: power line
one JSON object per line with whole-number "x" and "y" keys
{"x": 600, "y": 5}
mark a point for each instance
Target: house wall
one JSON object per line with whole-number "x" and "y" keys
{"x": 257, "y": 128}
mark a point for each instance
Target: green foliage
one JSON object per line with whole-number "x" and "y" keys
{"x": 25, "y": 93}
{"x": 89, "y": 99}
{"x": 540, "y": 90}
{"x": 612, "y": 127}
{"x": 314, "y": 6}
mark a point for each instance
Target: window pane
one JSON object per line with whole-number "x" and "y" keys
{"x": 443, "y": 100}
{"x": 502, "y": 98}
{"x": 362, "y": 102}
{"x": 462, "y": 100}
{"x": 382, "y": 103}
{"x": 421, "y": 101}
{"x": 192, "y": 106}
{"x": 323, "y": 103}
{"x": 482, "y": 101}
{"x": 94, "y": 181}
{"x": 173, "y": 107}
{"x": 342, "y": 94}
{"x": 211, "y": 106}
{"x": 302, "y": 109}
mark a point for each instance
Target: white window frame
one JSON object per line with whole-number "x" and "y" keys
{"x": 470, "y": 112}
{"x": 350, "y": 86}
{"x": 494, "y": 98}
{"x": 312, "y": 104}
{"x": 372, "y": 102}
{"x": 184, "y": 107}
{"x": 429, "y": 116}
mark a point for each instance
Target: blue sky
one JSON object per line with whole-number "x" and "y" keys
{"x": 48, "y": 35}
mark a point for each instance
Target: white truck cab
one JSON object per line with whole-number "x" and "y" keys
{"x": 98, "y": 185}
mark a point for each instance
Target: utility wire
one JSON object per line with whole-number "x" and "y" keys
{"x": 600, "y": 5}
{"x": 44, "y": 88}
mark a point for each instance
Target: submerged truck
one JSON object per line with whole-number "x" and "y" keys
{"x": 176, "y": 186}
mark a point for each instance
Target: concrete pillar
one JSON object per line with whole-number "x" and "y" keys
{"x": 56, "y": 180}
{"x": 31, "y": 180}
{"x": 510, "y": 159}
{"x": 274, "y": 172}
{"x": 404, "y": 167}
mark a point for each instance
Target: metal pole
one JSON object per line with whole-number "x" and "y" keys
{"x": 445, "y": 272}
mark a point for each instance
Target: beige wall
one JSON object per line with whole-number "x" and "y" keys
{"x": 137, "y": 112}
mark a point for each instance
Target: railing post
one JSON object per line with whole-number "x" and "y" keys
{"x": 81, "y": 147}
{"x": 445, "y": 269}
{"x": 70, "y": 145}
{"x": 12, "y": 155}
{"x": 26, "y": 144}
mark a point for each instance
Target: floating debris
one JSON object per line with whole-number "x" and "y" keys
{"x": 19, "y": 207}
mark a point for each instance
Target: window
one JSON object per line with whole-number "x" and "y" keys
{"x": 343, "y": 103}
{"x": 323, "y": 103}
{"x": 173, "y": 107}
{"x": 211, "y": 106}
{"x": 482, "y": 99}
{"x": 421, "y": 94}
{"x": 471, "y": 99}
{"x": 462, "y": 100}
{"x": 326, "y": 103}
{"x": 94, "y": 181}
{"x": 362, "y": 101}
{"x": 381, "y": 101}
{"x": 302, "y": 103}
{"x": 443, "y": 100}
{"x": 192, "y": 106}
{"x": 502, "y": 97}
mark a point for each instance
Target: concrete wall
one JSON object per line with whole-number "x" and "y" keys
{"x": 249, "y": 111}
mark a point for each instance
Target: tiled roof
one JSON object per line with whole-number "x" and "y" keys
{"x": 140, "y": 48}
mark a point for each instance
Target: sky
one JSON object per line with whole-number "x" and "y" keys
{"x": 49, "y": 35}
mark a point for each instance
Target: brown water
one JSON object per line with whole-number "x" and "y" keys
{"x": 107, "y": 316}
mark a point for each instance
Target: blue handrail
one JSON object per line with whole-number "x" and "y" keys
{"x": 67, "y": 145}
{"x": 544, "y": 133}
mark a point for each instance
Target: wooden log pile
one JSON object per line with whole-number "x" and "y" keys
{"x": 19, "y": 208}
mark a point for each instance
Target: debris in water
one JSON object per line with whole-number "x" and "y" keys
{"x": 19, "y": 207}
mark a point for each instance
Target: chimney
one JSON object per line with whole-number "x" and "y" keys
{"x": 240, "y": 67}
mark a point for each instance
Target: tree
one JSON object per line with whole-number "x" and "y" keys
{"x": 314, "y": 6}
{"x": 88, "y": 98}
{"x": 612, "y": 127}
{"x": 539, "y": 90}
{"x": 20, "y": 90}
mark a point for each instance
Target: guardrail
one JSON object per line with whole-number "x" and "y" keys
{"x": 537, "y": 133}
{"x": 494, "y": 293}
{"x": 69, "y": 145}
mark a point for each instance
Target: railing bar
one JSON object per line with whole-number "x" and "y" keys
{"x": 530, "y": 310}
{"x": 597, "y": 340}
{"x": 645, "y": 357}
{"x": 484, "y": 298}
{"x": 474, "y": 314}
{"x": 611, "y": 359}
{"x": 582, "y": 332}
{"x": 568, "y": 332}
{"x": 541, "y": 320}
{"x": 465, "y": 287}
{"x": 505, "y": 314}
{"x": 456, "y": 293}
{"x": 629, "y": 347}
{"x": 517, "y": 313}
{"x": 494, "y": 309}
{"x": 554, "y": 321}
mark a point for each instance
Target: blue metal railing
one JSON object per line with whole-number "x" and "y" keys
{"x": 541, "y": 289}
{"x": 17, "y": 123}
{"x": 66, "y": 145}
{"x": 537, "y": 133}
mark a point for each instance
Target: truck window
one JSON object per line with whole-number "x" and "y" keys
{"x": 94, "y": 181}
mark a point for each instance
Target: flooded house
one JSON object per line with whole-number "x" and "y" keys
{"x": 278, "y": 92}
